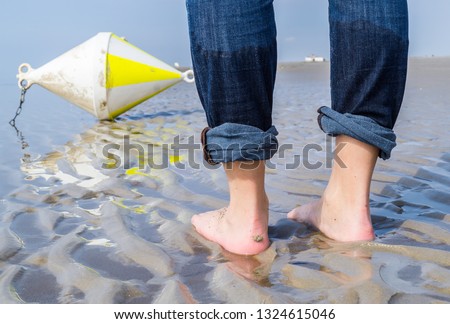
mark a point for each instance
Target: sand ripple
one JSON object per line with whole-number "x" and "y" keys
{"x": 81, "y": 230}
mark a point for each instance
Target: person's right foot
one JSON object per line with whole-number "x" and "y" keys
{"x": 336, "y": 219}
{"x": 343, "y": 212}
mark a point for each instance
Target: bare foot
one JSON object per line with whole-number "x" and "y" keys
{"x": 242, "y": 228}
{"x": 233, "y": 232}
{"x": 327, "y": 217}
{"x": 343, "y": 212}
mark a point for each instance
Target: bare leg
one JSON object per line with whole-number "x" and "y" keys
{"x": 242, "y": 227}
{"x": 343, "y": 212}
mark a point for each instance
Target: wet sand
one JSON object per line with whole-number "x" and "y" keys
{"x": 76, "y": 229}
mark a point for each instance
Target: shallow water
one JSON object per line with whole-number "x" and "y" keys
{"x": 76, "y": 227}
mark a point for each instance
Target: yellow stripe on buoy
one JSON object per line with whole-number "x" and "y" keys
{"x": 123, "y": 72}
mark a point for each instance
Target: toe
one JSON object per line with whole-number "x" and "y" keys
{"x": 195, "y": 220}
{"x": 293, "y": 214}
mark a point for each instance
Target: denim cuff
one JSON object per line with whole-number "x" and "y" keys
{"x": 237, "y": 142}
{"x": 359, "y": 127}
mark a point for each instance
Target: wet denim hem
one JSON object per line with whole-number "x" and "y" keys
{"x": 359, "y": 127}
{"x": 237, "y": 142}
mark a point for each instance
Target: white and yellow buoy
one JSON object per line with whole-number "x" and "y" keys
{"x": 106, "y": 76}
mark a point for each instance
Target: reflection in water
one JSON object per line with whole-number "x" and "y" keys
{"x": 20, "y": 136}
{"x": 254, "y": 268}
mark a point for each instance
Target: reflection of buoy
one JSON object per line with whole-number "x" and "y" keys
{"x": 105, "y": 76}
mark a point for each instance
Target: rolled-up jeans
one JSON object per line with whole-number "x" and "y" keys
{"x": 234, "y": 55}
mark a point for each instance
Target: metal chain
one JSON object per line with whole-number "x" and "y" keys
{"x": 12, "y": 122}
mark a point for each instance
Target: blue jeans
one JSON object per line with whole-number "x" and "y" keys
{"x": 234, "y": 55}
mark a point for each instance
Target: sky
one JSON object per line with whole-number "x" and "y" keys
{"x": 37, "y": 31}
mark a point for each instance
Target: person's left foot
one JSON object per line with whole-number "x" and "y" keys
{"x": 234, "y": 231}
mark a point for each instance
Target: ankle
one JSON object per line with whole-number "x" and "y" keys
{"x": 351, "y": 193}
{"x": 250, "y": 214}
{"x": 252, "y": 200}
